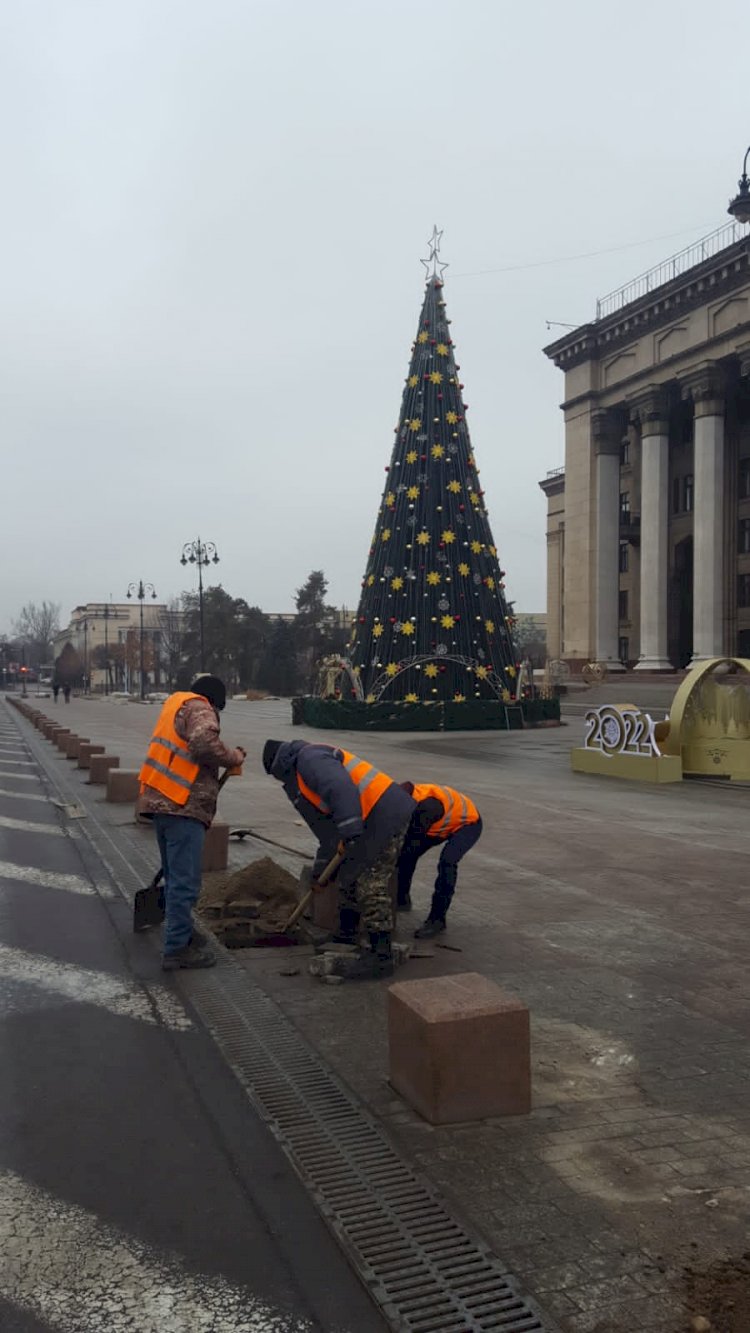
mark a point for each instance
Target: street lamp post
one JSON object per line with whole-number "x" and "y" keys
{"x": 141, "y": 589}
{"x": 85, "y": 656}
{"x": 200, "y": 553}
{"x": 740, "y": 205}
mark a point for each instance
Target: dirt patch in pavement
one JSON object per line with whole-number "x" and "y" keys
{"x": 720, "y": 1296}
{"x": 242, "y": 905}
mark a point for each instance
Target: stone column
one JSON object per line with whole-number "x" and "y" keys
{"x": 705, "y": 387}
{"x": 607, "y": 435}
{"x": 650, "y": 411}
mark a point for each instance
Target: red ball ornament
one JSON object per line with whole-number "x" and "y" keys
{"x": 441, "y": 545}
{"x": 393, "y": 620}
{"x": 461, "y": 508}
{"x": 423, "y": 458}
{"x": 440, "y": 395}
{"x": 432, "y": 342}
{"x": 456, "y": 617}
{"x": 361, "y": 620}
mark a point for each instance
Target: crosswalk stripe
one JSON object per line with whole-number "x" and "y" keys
{"x": 28, "y": 826}
{"x": 19, "y": 777}
{"x": 85, "y": 985}
{"x": 23, "y": 795}
{"x": 64, "y": 1265}
{"x": 15, "y": 763}
{"x": 46, "y": 879}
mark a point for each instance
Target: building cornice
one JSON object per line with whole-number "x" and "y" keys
{"x": 723, "y": 273}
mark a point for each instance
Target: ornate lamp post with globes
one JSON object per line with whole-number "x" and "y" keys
{"x": 200, "y": 553}
{"x": 141, "y": 590}
{"x": 740, "y": 205}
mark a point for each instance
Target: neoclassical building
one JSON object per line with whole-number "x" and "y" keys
{"x": 648, "y": 523}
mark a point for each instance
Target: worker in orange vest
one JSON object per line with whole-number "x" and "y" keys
{"x": 444, "y": 818}
{"x": 179, "y": 788}
{"x": 349, "y": 803}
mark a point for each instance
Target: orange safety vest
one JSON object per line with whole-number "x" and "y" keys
{"x": 369, "y": 781}
{"x": 168, "y": 766}
{"x": 458, "y": 809}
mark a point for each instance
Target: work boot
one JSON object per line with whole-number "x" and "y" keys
{"x": 191, "y": 955}
{"x": 371, "y": 964}
{"x": 199, "y": 939}
{"x": 434, "y": 925}
{"x": 404, "y": 904}
{"x": 348, "y": 931}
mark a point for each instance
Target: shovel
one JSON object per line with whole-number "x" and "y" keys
{"x": 149, "y": 904}
{"x": 283, "y": 939}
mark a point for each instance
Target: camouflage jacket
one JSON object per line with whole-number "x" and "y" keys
{"x": 198, "y": 724}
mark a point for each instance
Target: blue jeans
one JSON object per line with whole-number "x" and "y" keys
{"x": 181, "y": 846}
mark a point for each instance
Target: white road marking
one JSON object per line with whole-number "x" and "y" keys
{"x": 62, "y": 1264}
{"x": 20, "y": 777}
{"x": 28, "y": 826}
{"x": 46, "y": 879}
{"x": 22, "y": 795}
{"x": 18, "y": 763}
{"x": 84, "y": 985}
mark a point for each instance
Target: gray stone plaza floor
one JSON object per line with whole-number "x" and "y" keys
{"x": 619, "y": 914}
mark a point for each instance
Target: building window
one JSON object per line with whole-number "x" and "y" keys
{"x": 624, "y": 506}
{"x": 624, "y": 651}
{"x": 622, "y": 603}
{"x": 743, "y": 589}
{"x": 625, "y": 453}
{"x": 676, "y": 496}
{"x": 624, "y": 557}
{"x": 743, "y": 536}
{"x": 687, "y": 494}
{"x": 744, "y": 479}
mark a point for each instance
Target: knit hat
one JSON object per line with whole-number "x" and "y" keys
{"x": 211, "y": 688}
{"x": 270, "y": 750}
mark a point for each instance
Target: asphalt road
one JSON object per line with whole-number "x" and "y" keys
{"x": 138, "y": 1189}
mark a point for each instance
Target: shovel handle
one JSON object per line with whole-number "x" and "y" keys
{"x": 320, "y": 883}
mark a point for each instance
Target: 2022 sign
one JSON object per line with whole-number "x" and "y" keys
{"x": 620, "y": 731}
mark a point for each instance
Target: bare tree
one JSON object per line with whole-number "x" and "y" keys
{"x": 172, "y": 638}
{"x": 38, "y": 626}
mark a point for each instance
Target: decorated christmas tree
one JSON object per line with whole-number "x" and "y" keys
{"x": 433, "y": 623}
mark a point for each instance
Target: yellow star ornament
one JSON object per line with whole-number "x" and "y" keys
{"x": 411, "y": 457}
{"x": 397, "y": 583}
{"x": 423, "y": 538}
{"x": 454, "y": 487}
{"x": 448, "y": 536}
{"x": 385, "y": 535}
{"x": 441, "y": 349}
{"x": 433, "y": 578}
{"x": 370, "y": 580}
{"x": 489, "y": 625}
{"x": 370, "y": 699}
{"x": 413, "y": 381}
{"x": 391, "y": 669}
{"x": 436, "y": 377}
{"x": 463, "y": 568}
{"x": 459, "y": 698}
{"x": 411, "y": 699}
{"x": 431, "y": 670}
{"x": 422, "y": 337}
{"x": 390, "y": 500}
{"x": 490, "y": 584}
{"x": 446, "y": 622}
{"x": 437, "y": 451}
{"x": 451, "y": 418}
{"x": 476, "y": 547}
{"x": 413, "y": 492}
{"x": 377, "y": 631}
{"x": 415, "y": 423}
{"x": 407, "y": 628}
{"x": 476, "y": 499}
{"x": 482, "y": 672}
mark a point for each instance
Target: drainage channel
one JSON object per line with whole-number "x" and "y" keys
{"x": 424, "y": 1269}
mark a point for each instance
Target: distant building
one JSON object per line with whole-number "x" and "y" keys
{"x": 648, "y": 524}
{"x": 106, "y": 637}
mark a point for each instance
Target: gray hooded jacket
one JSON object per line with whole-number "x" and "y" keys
{"x": 321, "y": 767}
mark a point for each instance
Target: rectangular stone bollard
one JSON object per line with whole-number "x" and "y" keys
{"x": 122, "y": 785}
{"x": 73, "y": 746}
{"x": 216, "y": 847}
{"x": 59, "y": 737}
{"x": 99, "y": 766}
{"x": 85, "y": 753}
{"x": 459, "y": 1048}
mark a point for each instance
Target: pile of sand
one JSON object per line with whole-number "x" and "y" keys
{"x": 254, "y": 901}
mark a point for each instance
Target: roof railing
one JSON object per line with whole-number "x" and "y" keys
{"x": 670, "y": 269}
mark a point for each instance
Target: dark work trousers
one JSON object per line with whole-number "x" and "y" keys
{"x": 453, "y": 848}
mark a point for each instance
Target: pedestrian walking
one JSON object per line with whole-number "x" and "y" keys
{"x": 66, "y": 692}
{"x": 443, "y": 818}
{"x": 55, "y": 689}
{"x": 351, "y": 806}
{"x": 179, "y": 789}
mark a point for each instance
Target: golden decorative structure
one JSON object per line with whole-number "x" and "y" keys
{"x": 709, "y": 724}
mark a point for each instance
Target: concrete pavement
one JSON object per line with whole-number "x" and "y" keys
{"x": 139, "y": 1190}
{"x": 618, "y": 912}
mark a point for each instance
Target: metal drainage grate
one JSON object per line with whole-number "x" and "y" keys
{"x": 426, "y": 1272}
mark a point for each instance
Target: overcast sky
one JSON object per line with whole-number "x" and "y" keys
{"x": 213, "y": 214}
